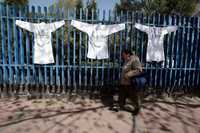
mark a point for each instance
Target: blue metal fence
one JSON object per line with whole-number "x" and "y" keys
{"x": 72, "y": 68}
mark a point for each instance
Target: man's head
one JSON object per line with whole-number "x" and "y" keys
{"x": 126, "y": 54}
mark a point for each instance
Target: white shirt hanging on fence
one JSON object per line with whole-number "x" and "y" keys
{"x": 43, "y": 53}
{"x": 98, "y": 37}
{"x": 155, "y": 49}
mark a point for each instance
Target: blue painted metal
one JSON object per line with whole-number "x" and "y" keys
{"x": 103, "y": 61}
{"x": 32, "y": 43}
{"x": 40, "y": 80}
{"x": 63, "y": 51}
{"x": 51, "y": 16}
{"x": 72, "y": 66}
{"x": 3, "y": 43}
{"x": 58, "y": 13}
{"x": 74, "y": 53}
{"x": 9, "y": 42}
{"x": 85, "y": 54}
{"x": 45, "y": 66}
{"x": 68, "y": 51}
{"x": 80, "y": 51}
{"x": 21, "y": 45}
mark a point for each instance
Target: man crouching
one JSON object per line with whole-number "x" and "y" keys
{"x": 132, "y": 67}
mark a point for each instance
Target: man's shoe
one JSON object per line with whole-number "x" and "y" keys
{"x": 136, "y": 111}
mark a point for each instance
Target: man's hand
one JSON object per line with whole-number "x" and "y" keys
{"x": 132, "y": 73}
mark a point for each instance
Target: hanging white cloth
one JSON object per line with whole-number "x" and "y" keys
{"x": 98, "y": 37}
{"x": 43, "y": 53}
{"x": 155, "y": 49}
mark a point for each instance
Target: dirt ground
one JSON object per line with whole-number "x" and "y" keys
{"x": 84, "y": 115}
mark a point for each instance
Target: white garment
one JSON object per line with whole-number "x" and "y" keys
{"x": 43, "y": 53}
{"x": 155, "y": 49}
{"x": 98, "y": 37}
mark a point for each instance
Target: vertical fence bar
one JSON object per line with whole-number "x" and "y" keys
{"x": 114, "y": 53}
{"x": 1, "y": 67}
{"x": 68, "y": 50}
{"x": 176, "y": 45}
{"x": 3, "y": 46}
{"x": 172, "y": 47}
{"x": 91, "y": 63}
{"x": 156, "y": 22}
{"x": 63, "y": 51}
{"x": 21, "y": 49}
{"x": 103, "y": 63}
{"x": 126, "y": 30}
{"x": 27, "y": 52}
{"x": 190, "y": 57}
{"x": 51, "y": 15}
{"x": 186, "y": 51}
{"x": 120, "y": 47}
{"x": 181, "y": 50}
{"x": 145, "y": 44}
{"x": 142, "y": 41}
{"x": 170, "y": 56}
{"x": 166, "y": 54}
{"x": 45, "y": 66}
{"x": 158, "y": 68}
{"x": 57, "y": 47}
{"x": 194, "y": 51}
{"x": 97, "y": 62}
{"x": 80, "y": 51}
{"x": 34, "y": 77}
{"x": 39, "y": 67}
{"x": 74, "y": 54}
{"x": 139, "y": 47}
{"x": 197, "y": 55}
{"x": 160, "y": 82}
{"x": 132, "y": 30}
{"x": 9, "y": 41}
{"x": 85, "y": 54}
{"x": 137, "y": 32}
{"x": 109, "y": 51}
{"x": 179, "y": 46}
{"x": 15, "y": 37}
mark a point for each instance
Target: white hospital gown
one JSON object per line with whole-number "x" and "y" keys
{"x": 43, "y": 53}
{"x": 155, "y": 49}
{"x": 98, "y": 37}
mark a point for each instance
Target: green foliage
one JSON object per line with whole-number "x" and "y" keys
{"x": 17, "y": 2}
{"x": 68, "y": 4}
{"x": 168, "y": 7}
{"x": 91, "y": 6}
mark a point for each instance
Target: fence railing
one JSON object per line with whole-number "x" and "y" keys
{"x": 73, "y": 68}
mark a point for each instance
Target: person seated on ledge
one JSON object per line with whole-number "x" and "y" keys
{"x": 132, "y": 67}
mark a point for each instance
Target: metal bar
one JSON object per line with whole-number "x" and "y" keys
{"x": 63, "y": 49}
{"x": 51, "y": 68}
{"x": 103, "y": 61}
{"x": 45, "y": 66}
{"x": 57, "y": 47}
{"x": 39, "y": 67}
{"x": 3, "y": 42}
{"x": 186, "y": 44}
{"x": 80, "y": 50}
{"x": 74, "y": 53}
{"x": 68, "y": 51}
